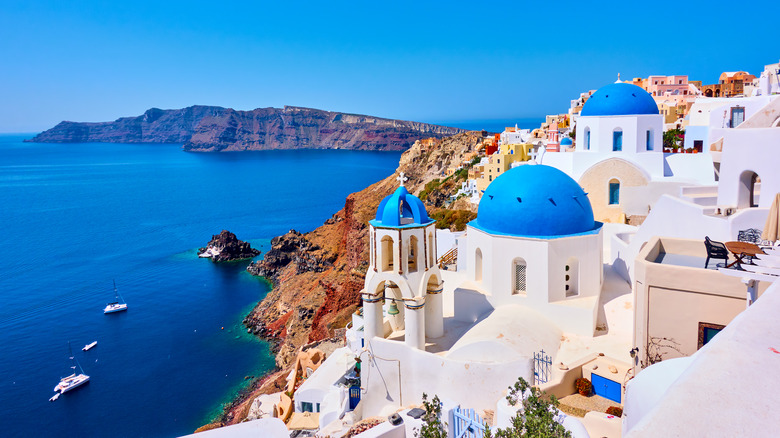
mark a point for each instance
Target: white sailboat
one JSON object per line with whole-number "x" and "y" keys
{"x": 72, "y": 381}
{"x": 89, "y": 346}
{"x": 116, "y": 306}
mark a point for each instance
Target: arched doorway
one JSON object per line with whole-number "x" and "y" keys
{"x": 386, "y": 249}
{"x": 394, "y": 306}
{"x": 412, "y": 255}
{"x": 749, "y": 189}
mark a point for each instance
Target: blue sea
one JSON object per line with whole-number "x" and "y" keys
{"x": 75, "y": 217}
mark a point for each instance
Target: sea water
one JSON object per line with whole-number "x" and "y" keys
{"x": 76, "y": 217}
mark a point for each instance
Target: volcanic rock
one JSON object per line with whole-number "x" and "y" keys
{"x": 225, "y": 247}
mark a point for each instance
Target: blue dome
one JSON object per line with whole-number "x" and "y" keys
{"x": 566, "y": 142}
{"x": 401, "y": 209}
{"x": 619, "y": 99}
{"x": 535, "y": 201}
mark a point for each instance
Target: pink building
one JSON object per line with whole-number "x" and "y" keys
{"x": 553, "y": 137}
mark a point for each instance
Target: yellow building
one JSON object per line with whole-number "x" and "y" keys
{"x": 502, "y": 161}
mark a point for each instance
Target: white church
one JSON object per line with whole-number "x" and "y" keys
{"x": 532, "y": 286}
{"x": 619, "y": 158}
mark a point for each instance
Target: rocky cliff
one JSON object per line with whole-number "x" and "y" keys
{"x": 215, "y": 129}
{"x": 317, "y": 276}
{"x": 225, "y": 247}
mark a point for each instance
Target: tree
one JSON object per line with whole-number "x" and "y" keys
{"x": 432, "y": 427}
{"x": 537, "y": 419}
{"x": 673, "y": 138}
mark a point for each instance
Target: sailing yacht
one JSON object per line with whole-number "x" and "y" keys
{"x": 74, "y": 380}
{"x": 116, "y": 306}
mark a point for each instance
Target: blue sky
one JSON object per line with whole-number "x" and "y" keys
{"x": 425, "y": 61}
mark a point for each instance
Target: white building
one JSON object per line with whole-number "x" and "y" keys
{"x": 710, "y": 118}
{"x": 402, "y": 273}
{"x": 535, "y": 243}
{"x": 619, "y": 158}
{"x": 515, "y": 136}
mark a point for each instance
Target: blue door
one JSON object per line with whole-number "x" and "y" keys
{"x": 354, "y": 396}
{"x": 606, "y": 388}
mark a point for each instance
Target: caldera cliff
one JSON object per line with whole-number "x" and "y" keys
{"x": 216, "y": 129}
{"x": 317, "y": 276}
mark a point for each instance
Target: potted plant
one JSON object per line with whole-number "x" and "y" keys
{"x": 583, "y": 386}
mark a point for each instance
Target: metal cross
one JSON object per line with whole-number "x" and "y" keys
{"x": 532, "y": 154}
{"x": 402, "y": 179}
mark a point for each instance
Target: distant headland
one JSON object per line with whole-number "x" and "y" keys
{"x": 217, "y": 129}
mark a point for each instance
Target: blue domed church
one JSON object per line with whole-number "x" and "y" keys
{"x": 618, "y": 154}
{"x": 403, "y": 281}
{"x": 535, "y": 243}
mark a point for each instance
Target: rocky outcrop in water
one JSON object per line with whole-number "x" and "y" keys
{"x": 216, "y": 129}
{"x": 225, "y": 247}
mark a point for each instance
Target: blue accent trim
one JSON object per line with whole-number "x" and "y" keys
{"x": 378, "y": 224}
{"x": 476, "y": 225}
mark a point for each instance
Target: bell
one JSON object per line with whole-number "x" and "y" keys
{"x": 393, "y": 310}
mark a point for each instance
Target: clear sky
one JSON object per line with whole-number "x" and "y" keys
{"x": 424, "y": 61}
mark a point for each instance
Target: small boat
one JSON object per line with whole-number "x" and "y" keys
{"x": 117, "y": 305}
{"x": 89, "y": 346}
{"x": 54, "y": 397}
{"x": 72, "y": 381}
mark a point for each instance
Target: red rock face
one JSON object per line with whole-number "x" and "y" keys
{"x": 215, "y": 129}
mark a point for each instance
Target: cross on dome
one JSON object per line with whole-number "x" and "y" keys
{"x": 402, "y": 179}
{"x": 618, "y": 80}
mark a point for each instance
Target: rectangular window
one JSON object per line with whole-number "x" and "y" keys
{"x": 649, "y": 140}
{"x": 737, "y": 116}
{"x": 617, "y": 141}
{"x": 307, "y": 407}
{"x": 587, "y": 140}
{"x": 519, "y": 278}
{"x": 614, "y": 193}
{"x": 707, "y": 331}
{"x": 698, "y": 145}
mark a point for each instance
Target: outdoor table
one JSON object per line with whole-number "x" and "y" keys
{"x": 742, "y": 250}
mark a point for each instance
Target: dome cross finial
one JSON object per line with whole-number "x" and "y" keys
{"x": 402, "y": 179}
{"x": 618, "y": 79}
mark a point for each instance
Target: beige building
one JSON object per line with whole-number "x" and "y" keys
{"x": 679, "y": 304}
{"x": 609, "y": 205}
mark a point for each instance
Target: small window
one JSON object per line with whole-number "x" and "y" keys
{"x": 649, "y": 139}
{"x": 587, "y": 139}
{"x": 307, "y": 407}
{"x": 707, "y": 331}
{"x": 614, "y": 192}
{"x": 617, "y": 140}
{"x": 571, "y": 277}
{"x": 698, "y": 145}
{"x": 519, "y": 272}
